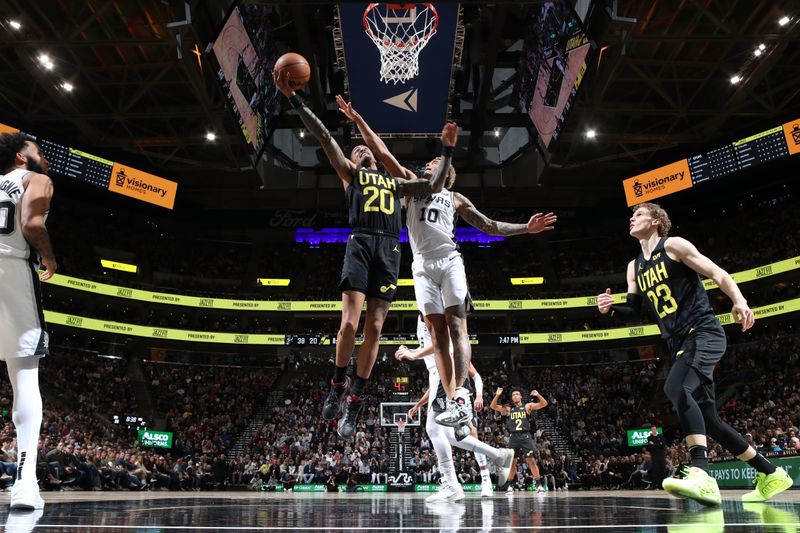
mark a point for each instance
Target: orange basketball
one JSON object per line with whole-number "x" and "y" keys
{"x": 297, "y": 66}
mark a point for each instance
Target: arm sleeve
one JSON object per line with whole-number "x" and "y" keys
{"x": 632, "y": 308}
{"x": 478, "y": 384}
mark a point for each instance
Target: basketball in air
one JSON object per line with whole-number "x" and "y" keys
{"x": 297, "y": 66}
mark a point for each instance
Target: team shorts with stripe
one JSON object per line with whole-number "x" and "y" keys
{"x": 22, "y": 327}
{"x": 439, "y": 283}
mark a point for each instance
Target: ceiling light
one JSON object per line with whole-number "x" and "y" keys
{"x": 591, "y": 134}
{"x": 497, "y": 132}
{"x": 735, "y": 79}
{"x": 762, "y": 47}
{"x": 757, "y": 52}
{"x": 784, "y": 20}
{"x": 44, "y": 58}
{"x": 211, "y": 136}
{"x": 14, "y": 24}
{"x": 302, "y": 134}
{"x": 67, "y": 86}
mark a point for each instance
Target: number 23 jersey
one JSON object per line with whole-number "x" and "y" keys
{"x": 374, "y": 203}
{"x": 674, "y": 295}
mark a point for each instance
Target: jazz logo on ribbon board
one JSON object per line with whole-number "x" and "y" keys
{"x": 659, "y": 182}
{"x": 142, "y": 186}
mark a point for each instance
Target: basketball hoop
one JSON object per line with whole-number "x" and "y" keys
{"x": 401, "y": 425}
{"x": 400, "y": 31}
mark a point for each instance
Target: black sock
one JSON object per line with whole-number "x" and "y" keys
{"x": 357, "y": 389}
{"x": 760, "y": 463}
{"x": 699, "y": 456}
{"x": 340, "y": 374}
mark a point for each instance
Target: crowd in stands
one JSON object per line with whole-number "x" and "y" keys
{"x": 208, "y": 408}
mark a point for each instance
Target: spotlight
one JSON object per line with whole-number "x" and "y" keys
{"x": 497, "y": 132}
{"x": 211, "y": 136}
{"x": 757, "y": 52}
{"x": 302, "y": 134}
{"x": 67, "y": 86}
{"x": 591, "y": 134}
{"x": 784, "y": 20}
{"x": 14, "y": 24}
{"x": 762, "y": 47}
{"x": 735, "y": 79}
{"x": 45, "y": 61}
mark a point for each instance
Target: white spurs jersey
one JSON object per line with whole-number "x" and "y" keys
{"x": 12, "y": 242}
{"x": 431, "y": 222}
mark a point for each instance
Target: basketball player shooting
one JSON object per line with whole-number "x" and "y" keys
{"x": 440, "y": 281}
{"x": 519, "y": 426}
{"x": 667, "y": 273}
{"x": 372, "y": 258}
{"x": 25, "y": 195}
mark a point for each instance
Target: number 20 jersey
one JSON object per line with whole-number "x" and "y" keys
{"x": 374, "y": 203}
{"x": 431, "y": 224}
{"x": 674, "y": 295}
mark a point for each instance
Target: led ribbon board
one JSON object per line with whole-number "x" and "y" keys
{"x": 94, "y": 170}
{"x": 103, "y": 289}
{"x": 61, "y": 319}
{"x": 780, "y": 141}
{"x": 418, "y": 105}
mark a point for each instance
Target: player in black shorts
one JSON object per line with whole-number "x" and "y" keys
{"x": 519, "y": 426}
{"x": 666, "y": 273}
{"x": 372, "y": 260}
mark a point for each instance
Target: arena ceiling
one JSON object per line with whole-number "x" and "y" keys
{"x": 659, "y": 82}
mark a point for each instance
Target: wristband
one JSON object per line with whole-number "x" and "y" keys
{"x": 447, "y": 151}
{"x": 295, "y": 101}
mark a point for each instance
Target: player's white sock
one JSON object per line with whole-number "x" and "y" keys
{"x": 472, "y": 444}
{"x": 441, "y": 446}
{"x": 23, "y": 373}
{"x": 484, "y": 467}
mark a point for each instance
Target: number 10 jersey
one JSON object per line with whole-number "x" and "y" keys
{"x": 431, "y": 222}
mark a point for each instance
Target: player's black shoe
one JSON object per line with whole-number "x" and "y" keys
{"x": 335, "y": 399}
{"x": 347, "y": 424}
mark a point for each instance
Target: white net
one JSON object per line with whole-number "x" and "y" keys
{"x": 400, "y": 31}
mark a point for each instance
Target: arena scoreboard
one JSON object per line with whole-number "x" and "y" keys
{"x": 93, "y": 170}
{"x": 762, "y": 147}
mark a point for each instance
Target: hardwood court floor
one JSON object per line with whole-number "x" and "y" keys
{"x": 638, "y": 512}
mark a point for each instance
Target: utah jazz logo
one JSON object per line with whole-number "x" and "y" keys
{"x": 121, "y": 177}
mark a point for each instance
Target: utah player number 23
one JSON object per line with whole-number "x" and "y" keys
{"x": 662, "y": 299}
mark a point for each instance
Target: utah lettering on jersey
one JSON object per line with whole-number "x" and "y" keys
{"x": 519, "y": 414}
{"x": 651, "y": 277}
{"x": 367, "y": 177}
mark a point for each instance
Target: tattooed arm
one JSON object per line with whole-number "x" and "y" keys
{"x": 345, "y": 168}
{"x": 473, "y": 217}
{"x": 374, "y": 142}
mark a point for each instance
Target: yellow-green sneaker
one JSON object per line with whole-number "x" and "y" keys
{"x": 768, "y": 486}
{"x": 694, "y": 483}
{"x": 778, "y": 520}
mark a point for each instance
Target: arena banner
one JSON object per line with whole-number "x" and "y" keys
{"x": 638, "y": 437}
{"x": 155, "y": 439}
{"x": 650, "y": 330}
{"x": 657, "y": 183}
{"x": 309, "y": 487}
{"x": 104, "y": 289}
{"x": 142, "y": 186}
{"x": 740, "y": 475}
